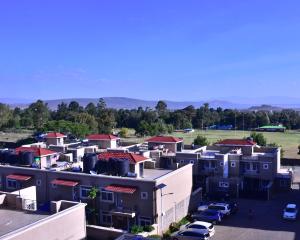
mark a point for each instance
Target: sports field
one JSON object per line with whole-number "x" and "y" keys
{"x": 288, "y": 140}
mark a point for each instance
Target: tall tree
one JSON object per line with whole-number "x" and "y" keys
{"x": 40, "y": 114}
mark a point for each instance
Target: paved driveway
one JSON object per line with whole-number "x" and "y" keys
{"x": 267, "y": 222}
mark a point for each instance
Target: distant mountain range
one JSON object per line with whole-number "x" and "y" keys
{"x": 131, "y": 103}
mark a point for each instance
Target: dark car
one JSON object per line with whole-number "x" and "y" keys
{"x": 208, "y": 216}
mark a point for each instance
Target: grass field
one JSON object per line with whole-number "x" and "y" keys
{"x": 288, "y": 140}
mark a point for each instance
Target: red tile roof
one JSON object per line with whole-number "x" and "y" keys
{"x": 67, "y": 183}
{"x": 38, "y": 152}
{"x": 18, "y": 177}
{"x": 101, "y": 137}
{"x": 55, "y": 135}
{"x": 120, "y": 189}
{"x": 237, "y": 142}
{"x": 133, "y": 158}
{"x": 164, "y": 139}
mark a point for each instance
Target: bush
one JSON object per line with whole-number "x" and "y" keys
{"x": 135, "y": 229}
{"x": 184, "y": 221}
{"x": 148, "y": 228}
{"x": 201, "y": 141}
{"x": 174, "y": 227}
{"x": 154, "y": 236}
{"x": 166, "y": 235}
{"x": 124, "y": 132}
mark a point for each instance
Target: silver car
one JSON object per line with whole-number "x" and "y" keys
{"x": 191, "y": 234}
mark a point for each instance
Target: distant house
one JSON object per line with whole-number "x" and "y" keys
{"x": 104, "y": 141}
{"x": 271, "y": 128}
{"x": 55, "y": 138}
{"x": 43, "y": 157}
{"x": 173, "y": 144}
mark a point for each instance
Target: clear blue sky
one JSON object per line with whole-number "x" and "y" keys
{"x": 176, "y": 50}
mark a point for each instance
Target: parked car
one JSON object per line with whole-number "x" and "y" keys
{"x": 290, "y": 212}
{"x": 208, "y": 215}
{"x": 202, "y": 226}
{"x": 202, "y": 207}
{"x": 191, "y": 234}
{"x": 223, "y": 208}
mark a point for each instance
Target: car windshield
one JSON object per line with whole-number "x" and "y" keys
{"x": 217, "y": 207}
{"x": 290, "y": 210}
{"x": 209, "y": 213}
{"x": 197, "y": 226}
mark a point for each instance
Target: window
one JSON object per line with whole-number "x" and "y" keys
{"x": 265, "y": 166}
{"x": 11, "y": 184}
{"x": 106, "y": 218}
{"x": 145, "y": 221}
{"x": 144, "y": 195}
{"x": 233, "y": 164}
{"x": 38, "y": 182}
{"x": 182, "y": 162}
{"x": 192, "y": 161}
{"x": 107, "y": 196}
{"x": 221, "y": 164}
{"x": 223, "y": 184}
{"x": 84, "y": 191}
{"x": 54, "y": 185}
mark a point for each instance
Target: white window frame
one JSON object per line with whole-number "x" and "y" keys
{"x": 38, "y": 182}
{"x": 221, "y": 164}
{"x": 106, "y": 192}
{"x": 8, "y": 186}
{"x": 224, "y": 184}
{"x": 146, "y": 221}
{"x": 233, "y": 164}
{"x": 266, "y": 166}
{"x": 192, "y": 161}
{"x": 86, "y": 189}
{"x": 106, "y": 214}
{"x": 144, "y": 195}
{"x": 182, "y": 161}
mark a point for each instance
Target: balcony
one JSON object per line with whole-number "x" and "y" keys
{"x": 122, "y": 211}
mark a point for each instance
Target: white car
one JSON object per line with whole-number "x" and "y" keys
{"x": 223, "y": 208}
{"x": 190, "y": 234}
{"x": 202, "y": 226}
{"x": 290, "y": 212}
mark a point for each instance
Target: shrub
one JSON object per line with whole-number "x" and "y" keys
{"x": 135, "y": 229}
{"x": 201, "y": 141}
{"x": 123, "y": 132}
{"x": 148, "y": 228}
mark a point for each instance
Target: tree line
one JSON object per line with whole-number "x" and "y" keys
{"x": 98, "y": 118}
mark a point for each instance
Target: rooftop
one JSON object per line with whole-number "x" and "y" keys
{"x": 101, "y": 137}
{"x": 236, "y": 142}
{"x": 164, "y": 139}
{"x": 133, "y": 158}
{"x": 55, "y": 135}
{"x": 11, "y": 220}
{"x": 38, "y": 152}
{"x": 152, "y": 174}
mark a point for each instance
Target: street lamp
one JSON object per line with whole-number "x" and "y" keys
{"x": 160, "y": 187}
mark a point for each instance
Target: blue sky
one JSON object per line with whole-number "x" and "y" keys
{"x": 176, "y": 50}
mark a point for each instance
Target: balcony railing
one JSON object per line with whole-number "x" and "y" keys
{"x": 122, "y": 211}
{"x": 29, "y": 205}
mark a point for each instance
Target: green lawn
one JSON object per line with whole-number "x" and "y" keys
{"x": 288, "y": 140}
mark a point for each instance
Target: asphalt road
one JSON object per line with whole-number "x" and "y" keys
{"x": 267, "y": 222}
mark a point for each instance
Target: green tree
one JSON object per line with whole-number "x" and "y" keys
{"x": 5, "y": 115}
{"x": 40, "y": 114}
{"x": 259, "y": 138}
{"x": 91, "y": 109}
{"x": 201, "y": 141}
{"x": 74, "y": 106}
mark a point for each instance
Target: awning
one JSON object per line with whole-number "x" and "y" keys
{"x": 120, "y": 189}
{"x": 67, "y": 183}
{"x": 18, "y": 177}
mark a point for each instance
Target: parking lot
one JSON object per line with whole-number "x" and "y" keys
{"x": 267, "y": 222}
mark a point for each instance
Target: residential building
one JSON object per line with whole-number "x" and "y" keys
{"x": 104, "y": 141}
{"x": 21, "y": 219}
{"x": 237, "y": 167}
{"x": 55, "y": 138}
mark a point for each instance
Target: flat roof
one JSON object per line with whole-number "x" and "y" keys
{"x": 12, "y": 220}
{"x": 152, "y": 174}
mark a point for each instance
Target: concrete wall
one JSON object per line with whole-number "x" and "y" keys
{"x": 176, "y": 195}
{"x": 102, "y": 233}
{"x": 67, "y": 224}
